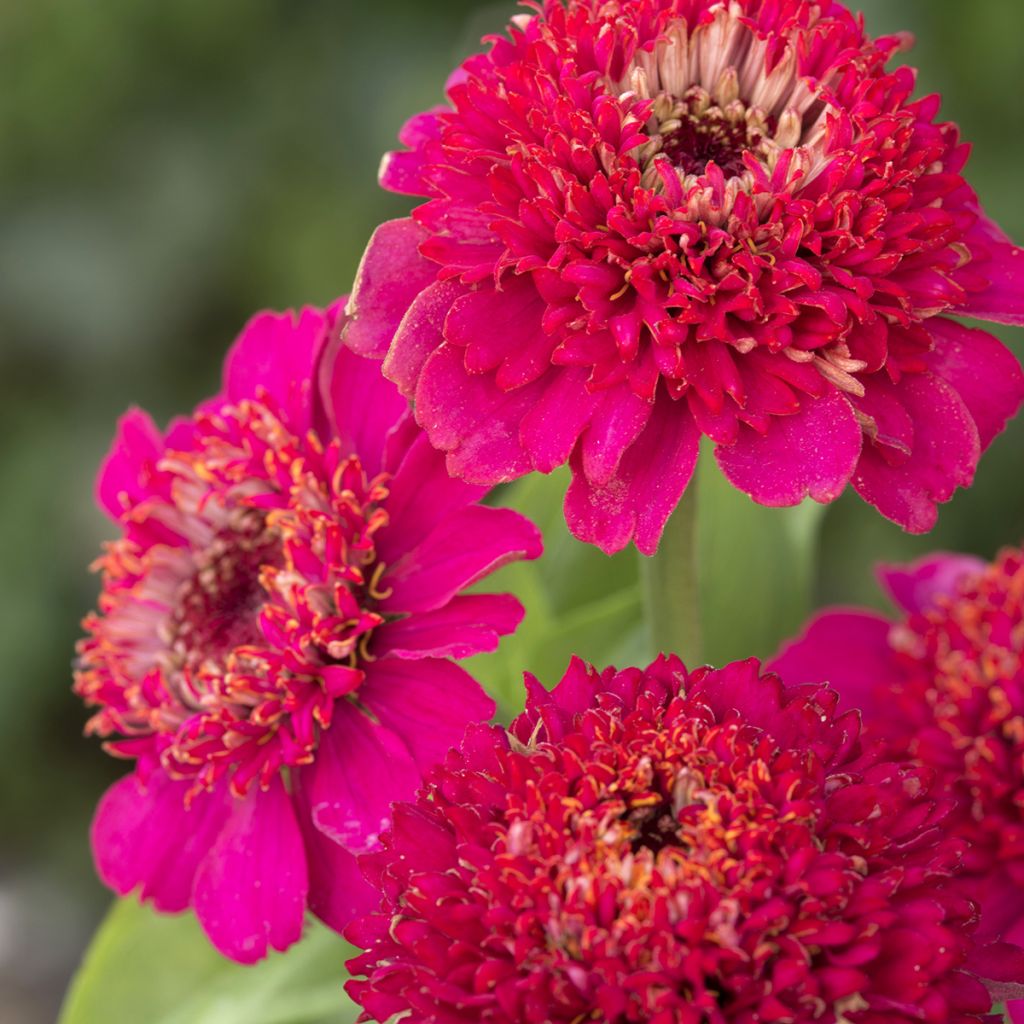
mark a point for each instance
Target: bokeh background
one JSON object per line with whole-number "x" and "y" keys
{"x": 166, "y": 170}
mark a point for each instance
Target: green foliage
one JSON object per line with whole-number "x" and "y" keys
{"x": 144, "y": 968}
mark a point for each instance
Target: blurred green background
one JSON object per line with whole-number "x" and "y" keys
{"x": 167, "y": 169}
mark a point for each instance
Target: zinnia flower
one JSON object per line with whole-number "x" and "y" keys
{"x": 669, "y": 847}
{"x": 944, "y": 686}
{"x": 653, "y": 220}
{"x": 274, "y": 637}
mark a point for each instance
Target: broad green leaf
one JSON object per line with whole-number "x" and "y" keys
{"x": 147, "y": 968}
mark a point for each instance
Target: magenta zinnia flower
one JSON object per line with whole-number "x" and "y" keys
{"x": 653, "y": 220}
{"x": 274, "y": 638}
{"x": 944, "y": 686}
{"x": 669, "y": 847}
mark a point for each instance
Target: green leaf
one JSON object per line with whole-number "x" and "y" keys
{"x": 147, "y": 968}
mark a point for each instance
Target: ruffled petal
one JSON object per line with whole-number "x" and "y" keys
{"x": 616, "y": 424}
{"x": 143, "y": 837}
{"x": 462, "y": 549}
{"x": 982, "y": 370}
{"x": 392, "y": 273}
{"x": 124, "y": 476}
{"x": 361, "y": 767}
{"x": 468, "y": 624}
{"x": 402, "y": 171}
{"x": 651, "y": 478}
{"x": 276, "y": 352}
{"x": 945, "y": 456}
{"x": 250, "y": 892}
{"x": 917, "y": 586}
{"x": 420, "y": 332}
{"x": 1003, "y": 300}
{"x": 810, "y": 454}
{"x": 848, "y": 649}
{"x": 428, "y": 703}
{"x": 551, "y": 428}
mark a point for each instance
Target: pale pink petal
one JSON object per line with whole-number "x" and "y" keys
{"x": 276, "y": 352}
{"x": 338, "y": 892}
{"x": 846, "y": 648}
{"x": 421, "y": 496}
{"x": 250, "y": 892}
{"x": 362, "y": 407}
{"x": 551, "y": 428}
{"x": 392, "y": 273}
{"x": 428, "y": 703}
{"x": 945, "y": 455}
{"x": 462, "y": 549}
{"x": 143, "y": 837}
{"x": 419, "y": 333}
{"x": 361, "y": 767}
{"x": 1003, "y": 300}
{"x": 810, "y": 454}
{"x": 468, "y": 624}
{"x": 125, "y": 473}
{"x": 652, "y": 476}
{"x": 983, "y": 372}
{"x": 473, "y": 420}
{"x": 917, "y": 586}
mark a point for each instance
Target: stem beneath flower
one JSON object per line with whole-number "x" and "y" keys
{"x": 671, "y": 585}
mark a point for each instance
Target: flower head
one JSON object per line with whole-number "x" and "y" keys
{"x": 669, "y": 847}
{"x": 661, "y": 219}
{"x": 943, "y": 685}
{"x": 274, "y": 638}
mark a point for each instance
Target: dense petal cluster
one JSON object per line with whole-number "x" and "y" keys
{"x": 944, "y": 685}
{"x": 274, "y": 638}
{"x": 665, "y": 846}
{"x": 653, "y": 220}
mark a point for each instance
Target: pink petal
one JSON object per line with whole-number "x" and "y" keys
{"x": 250, "y": 892}
{"x": 810, "y": 454}
{"x": 361, "y": 767}
{"x": 1003, "y": 300}
{"x": 616, "y": 424}
{"x": 917, "y": 586}
{"x": 392, "y": 273}
{"x": 338, "y": 892}
{"x": 468, "y": 624}
{"x": 143, "y": 837}
{"x": 276, "y": 352}
{"x": 983, "y": 372}
{"x": 551, "y": 428}
{"x": 945, "y": 455}
{"x": 402, "y": 172}
{"x": 462, "y": 549}
{"x": 428, "y": 703}
{"x": 362, "y": 407}
{"x": 420, "y": 332}
{"x": 473, "y": 420}
{"x": 137, "y": 447}
{"x": 636, "y": 503}
{"x": 421, "y": 496}
{"x": 846, "y": 648}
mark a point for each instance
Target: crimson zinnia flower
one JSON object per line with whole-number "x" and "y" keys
{"x": 669, "y": 847}
{"x": 274, "y": 638}
{"x": 653, "y": 220}
{"x": 944, "y": 685}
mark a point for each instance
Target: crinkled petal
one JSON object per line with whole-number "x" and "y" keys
{"x": 846, "y": 648}
{"x": 982, "y": 370}
{"x": 123, "y": 478}
{"x": 427, "y": 703}
{"x": 551, "y": 428}
{"x": 945, "y": 455}
{"x": 392, "y": 273}
{"x": 250, "y": 892}
{"x": 361, "y": 767}
{"x": 143, "y": 837}
{"x": 812, "y": 453}
{"x": 651, "y": 478}
{"x": 420, "y": 332}
{"x": 916, "y": 587}
{"x": 462, "y": 549}
{"x": 468, "y": 624}
{"x": 276, "y": 352}
{"x": 1003, "y": 300}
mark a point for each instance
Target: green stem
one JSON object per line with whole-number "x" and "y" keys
{"x": 671, "y": 584}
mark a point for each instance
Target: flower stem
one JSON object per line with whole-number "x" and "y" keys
{"x": 671, "y": 583}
